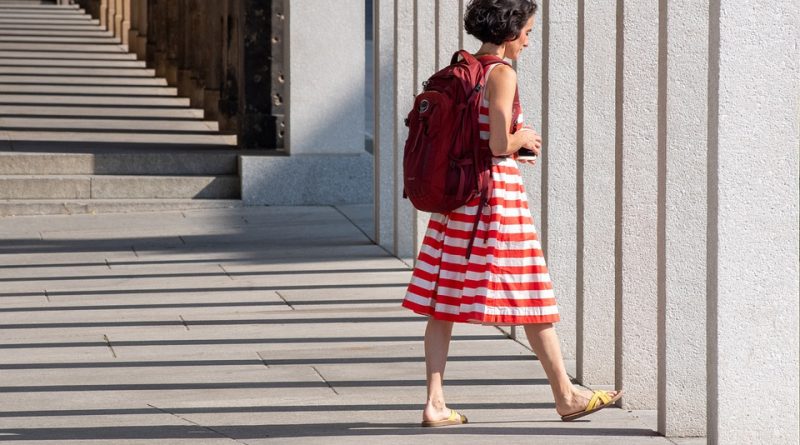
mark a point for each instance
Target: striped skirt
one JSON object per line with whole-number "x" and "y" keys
{"x": 505, "y": 281}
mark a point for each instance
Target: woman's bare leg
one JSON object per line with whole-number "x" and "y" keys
{"x": 544, "y": 341}
{"x": 437, "y": 344}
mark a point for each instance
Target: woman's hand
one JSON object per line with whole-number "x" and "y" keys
{"x": 531, "y": 140}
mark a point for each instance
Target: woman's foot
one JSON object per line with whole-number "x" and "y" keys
{"x": 433, "y": 413}
{"x": 577, "y": 401}
{"x": 453, "y": 417}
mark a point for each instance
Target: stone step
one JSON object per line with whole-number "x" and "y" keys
{"x": 128, "y": 138}
{"x": 77, "y": 27}
{"x": 196, "y": 126}
{"x": 94, "y": 100}
{"x": 37, "y": 5}
{"x": 99, "y": 40}
{"x": 101, "y": 112}
{"x": 67, "y": 63}
{"x": 66, "y": 48}
{"x": 45, "y": 21}
{"x": 14, "y": 207}
{"x": 56, "y": 55}
{"x": 88, "y": 71}
{"x": 50, "y": 80}
{"x": 10, "y": 13}
{"x": 183, "y": 163}
{"x": 6, "y": 88}
{"x": 50, "y": 32}
{"x": 118, "y": 187}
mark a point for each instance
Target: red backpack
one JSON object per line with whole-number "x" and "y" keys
{"x": 444, "y": 165}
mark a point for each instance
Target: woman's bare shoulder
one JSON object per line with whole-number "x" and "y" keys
{"x": 502, "y": 79}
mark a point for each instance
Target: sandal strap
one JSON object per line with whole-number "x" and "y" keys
{"x": 599, "y": 398}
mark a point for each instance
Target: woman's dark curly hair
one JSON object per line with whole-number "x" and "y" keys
{"x": 497, "y": 21}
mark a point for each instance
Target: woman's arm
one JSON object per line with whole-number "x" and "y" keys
{"x": 501, "y": 88}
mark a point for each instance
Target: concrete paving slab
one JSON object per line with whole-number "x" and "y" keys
{"x": 345, "y": 368}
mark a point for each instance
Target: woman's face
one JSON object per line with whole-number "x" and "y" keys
{"x": 514, "y": 47}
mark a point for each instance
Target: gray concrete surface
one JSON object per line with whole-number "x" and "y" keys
{"x": 246, "y": 325}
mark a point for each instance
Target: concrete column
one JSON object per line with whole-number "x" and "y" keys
{"x": 111, "y": 13}
{"x": 133, "y": 33}
{"x": 174, "y": 37}
{"x": 198, "y": 18}
{"x": 142, "y": 29}
{"x": 426, "y": 54}
{"x": 187, "y": 43}
{"x": 119, "y": 13}
{"x": 159, "y": 36}
{"x": 754, "y": 135}
{"x": 466, "y": 41}
{"x": 335, "y": 125}
{"x": 126, "y": 22}
{"x": 405, "y": 214}
{"x": 596, "y": 173}
{"x": 529, "y": 79}
{"x": 448, "y": 28}
{"x": 384, "y": 145}
{"x": 103, "y": 16}
{"x": 257, "y": 127}
{"x": 636, "y": 219}
{"x": 682, "y": 219}
{"x": 559, "y": 218}
{"x": 211, "y": 58}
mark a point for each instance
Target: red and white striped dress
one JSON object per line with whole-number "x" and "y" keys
{"x": 505, "y": 281}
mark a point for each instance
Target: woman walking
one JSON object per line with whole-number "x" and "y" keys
{"x": 504, "y": 281}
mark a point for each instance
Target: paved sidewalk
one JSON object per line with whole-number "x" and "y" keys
{"x": 245, "y": 325}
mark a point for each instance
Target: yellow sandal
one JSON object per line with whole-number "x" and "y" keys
{"x": 599, "y": 400}
{"x": 455, "y": 419}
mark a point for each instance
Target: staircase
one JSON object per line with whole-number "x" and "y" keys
{"x": 85, "y": 127}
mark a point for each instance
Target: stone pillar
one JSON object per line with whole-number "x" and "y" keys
{"x": 133, "y": 33}
{"x": 405, "y": 215}
{"x": 142, "y": 29}
{"x": 159, "y": 37}
{"x": 448, "y": 28}
{"x": 187, "y": 43}
{"x": 258, "y": 127}
{"x": 174, "y": 36}
{"x": 336, "y": 124}
{"x": 111, "y": 13}
{"x": 466, "y": 41}
{"x": 103, "y": 16}
{"x": 385, "y": 152}
{"x": 754, "y": 135}
{"x": 529, "y": 79}
{"x": 119, "y": 11}
{"x": 596, "y": 173}
{"x": 682, "y": 220}
{"x": 199, "y": 19}
{"x": 636, "y": 207}
{"x": 558, "y": 231}
{"x": 212, "y": 56}
{"x": 125, "y": 25}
